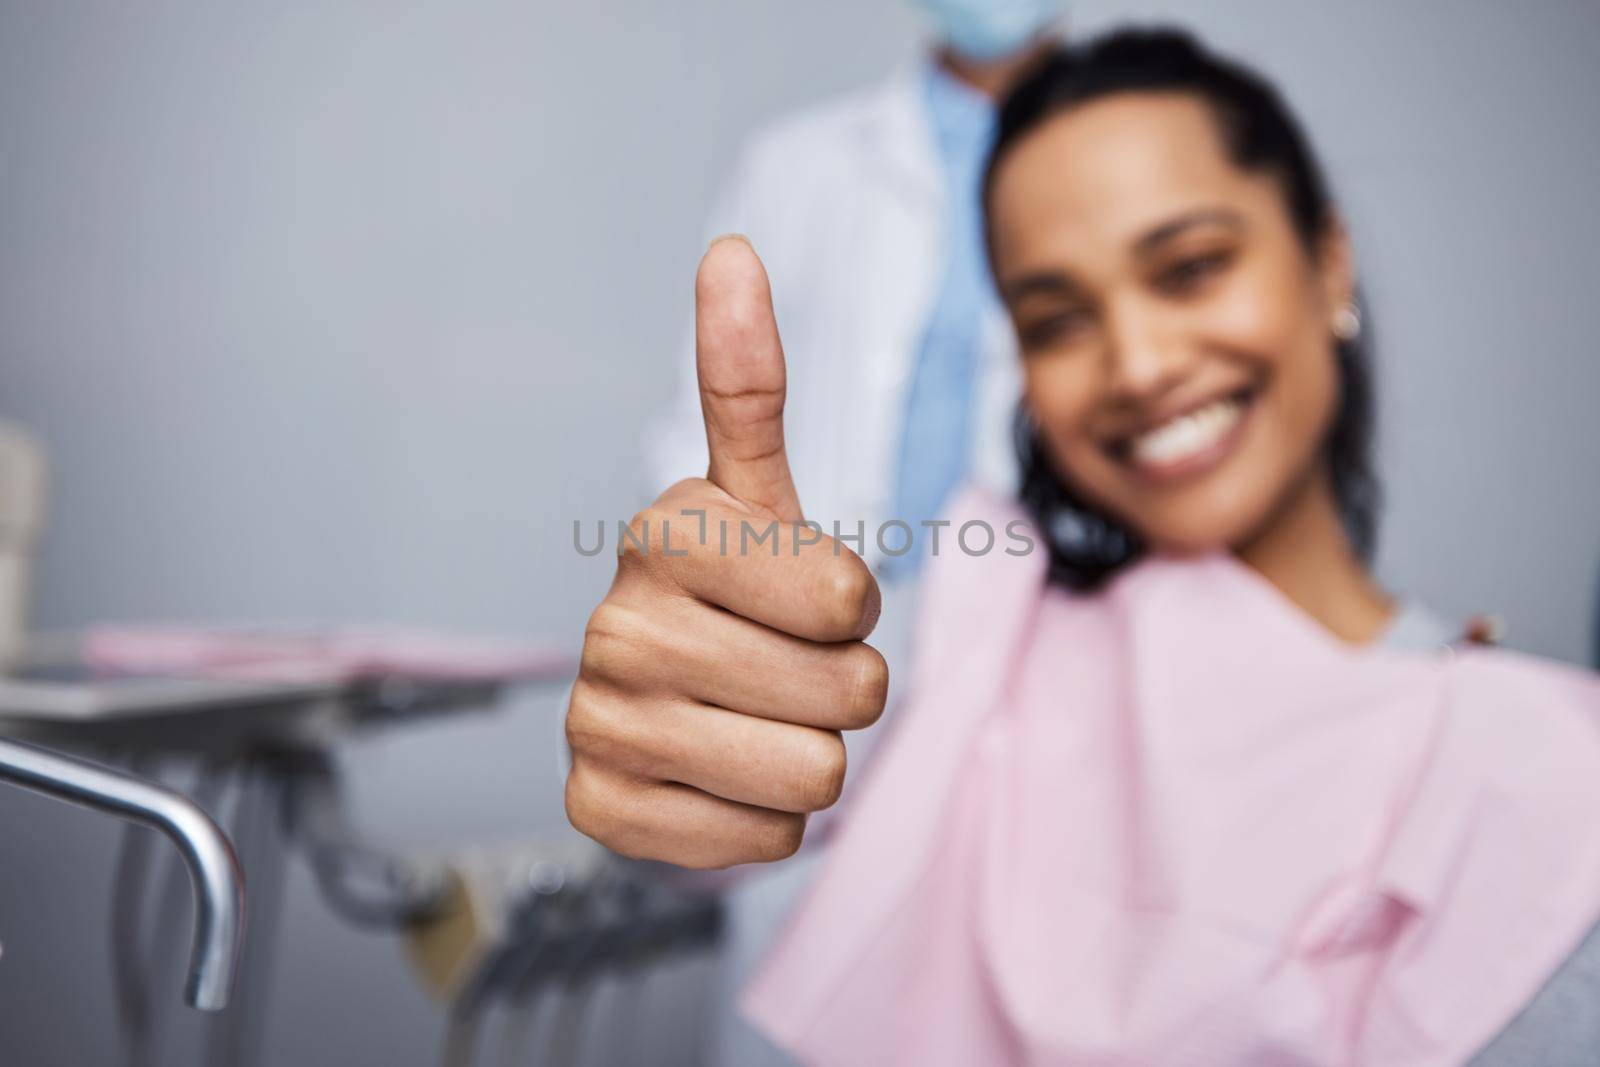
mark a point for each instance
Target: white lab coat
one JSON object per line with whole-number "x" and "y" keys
{"x": 844, "y": 203}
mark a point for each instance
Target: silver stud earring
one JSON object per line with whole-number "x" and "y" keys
{"x": 1347, "y": 322}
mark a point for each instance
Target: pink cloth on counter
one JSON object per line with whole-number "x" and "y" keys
{"x": 331, "y": 654}
{"x": 1177, "y": 822}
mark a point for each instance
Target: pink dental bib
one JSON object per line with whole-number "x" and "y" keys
{"x": 1176, "y": 822}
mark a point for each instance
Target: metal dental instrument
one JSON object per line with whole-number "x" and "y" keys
{"x": 214, "y": 870}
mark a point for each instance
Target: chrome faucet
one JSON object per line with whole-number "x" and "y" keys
{"x": 214, "y": 869}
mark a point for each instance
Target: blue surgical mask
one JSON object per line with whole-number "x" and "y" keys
{"x": 983, "y": 30}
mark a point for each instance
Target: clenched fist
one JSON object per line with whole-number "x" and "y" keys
{"x": 717, "y": 674}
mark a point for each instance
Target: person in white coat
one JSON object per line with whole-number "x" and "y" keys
{"x": 902, "y": 372}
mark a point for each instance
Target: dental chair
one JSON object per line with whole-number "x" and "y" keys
{"x": 208, "y": 855}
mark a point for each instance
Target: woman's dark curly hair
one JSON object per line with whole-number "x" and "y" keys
{"x": 1088, "y": 546}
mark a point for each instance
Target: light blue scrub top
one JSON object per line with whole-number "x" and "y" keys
{"x": 939, "y": 403}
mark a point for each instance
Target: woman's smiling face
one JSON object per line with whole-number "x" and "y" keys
{"x": 1178, "y": 353}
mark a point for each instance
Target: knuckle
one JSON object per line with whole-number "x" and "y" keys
{"x": 583, "y": 727}
{"x": 608, "y": 620}
{"x": 584, "y": 806}
{"x": 611, "y": 641}
{"x": 635, "y": 545}
{"x": 603, "y": 728}
{"x": 601, "y": 811}
{"x": 847, "y": 591}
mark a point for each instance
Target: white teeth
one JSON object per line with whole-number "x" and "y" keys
{"x": 1187, "y": 435}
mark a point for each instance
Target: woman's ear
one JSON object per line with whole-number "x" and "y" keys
{"x": 1336, "y": 266}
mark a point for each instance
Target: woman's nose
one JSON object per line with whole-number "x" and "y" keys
{"x": 1144, "y": 355}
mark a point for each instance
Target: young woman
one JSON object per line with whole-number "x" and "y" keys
{"x": 1184, "y": 786}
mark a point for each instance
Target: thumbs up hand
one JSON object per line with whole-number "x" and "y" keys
{"x": 715, "y": 679}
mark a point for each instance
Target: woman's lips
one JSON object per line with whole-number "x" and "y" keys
{"x": 1189, "y": 444}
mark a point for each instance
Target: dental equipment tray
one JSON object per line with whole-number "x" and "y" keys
{"x": 54, "y": 695}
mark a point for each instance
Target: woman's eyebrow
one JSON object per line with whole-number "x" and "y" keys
{"x": 1043, "y": 283}
{"x": 1166, "y": 231}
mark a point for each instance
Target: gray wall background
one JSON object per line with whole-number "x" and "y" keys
{"x": 346, "y": 311}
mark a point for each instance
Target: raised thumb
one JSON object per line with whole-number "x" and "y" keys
{"x": 739, "y": 359}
